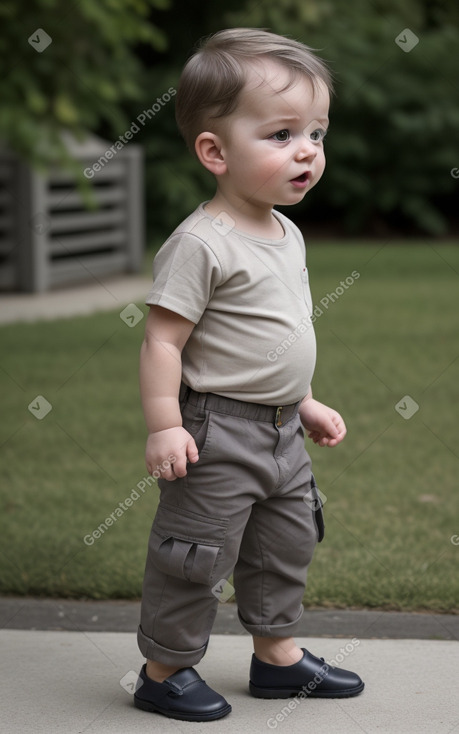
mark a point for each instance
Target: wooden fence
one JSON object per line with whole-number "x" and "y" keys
{"x": 48, "y": 236}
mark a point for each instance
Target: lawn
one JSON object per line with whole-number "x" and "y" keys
{"x": 392, "y": 505}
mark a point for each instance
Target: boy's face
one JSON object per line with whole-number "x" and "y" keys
{"x": 273, "y": 142}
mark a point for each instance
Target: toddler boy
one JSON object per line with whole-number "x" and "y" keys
{"x": 226, "y": 367}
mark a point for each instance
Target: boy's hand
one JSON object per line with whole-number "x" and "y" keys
{"x": 323, "y": 424}
{"x": 175, "y": 442}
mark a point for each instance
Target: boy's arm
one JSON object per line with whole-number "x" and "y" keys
{"x": 166, "y": 333}
{"x": 324, "y": 425}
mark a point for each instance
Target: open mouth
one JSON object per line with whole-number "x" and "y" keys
{"x": 301, "y": 181}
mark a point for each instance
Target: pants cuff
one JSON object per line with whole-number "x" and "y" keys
{"x": 153, "y": 651}
{"x": 272, "y": 630}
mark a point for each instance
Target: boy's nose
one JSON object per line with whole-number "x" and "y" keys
{"x": 306, "y": 149}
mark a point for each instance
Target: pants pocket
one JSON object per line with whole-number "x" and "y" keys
{"x": 317, "y": 509}
{"x": 196, "y": 423}
{"x": 186, "y": 545}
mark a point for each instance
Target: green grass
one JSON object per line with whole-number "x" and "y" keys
{"x": 392, "y": 501}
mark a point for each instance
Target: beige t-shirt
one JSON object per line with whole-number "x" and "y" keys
{"x": 249, "y": 298}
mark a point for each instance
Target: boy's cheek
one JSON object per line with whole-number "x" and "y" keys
{"x": 320, "y": 168}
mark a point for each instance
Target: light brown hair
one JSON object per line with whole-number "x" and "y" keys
{"x": 214, "y": 76}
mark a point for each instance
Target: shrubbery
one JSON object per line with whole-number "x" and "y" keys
{"x": 392, "y": 140}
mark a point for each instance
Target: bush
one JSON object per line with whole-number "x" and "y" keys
{"x": 79, "y": 82}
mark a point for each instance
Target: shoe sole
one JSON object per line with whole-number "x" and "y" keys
{"x": 317, "y": 693}
{"x": 140, "y": 703}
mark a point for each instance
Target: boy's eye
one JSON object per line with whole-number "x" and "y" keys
{"x": 318, "y": 135}
{"x": 282, "y": 136}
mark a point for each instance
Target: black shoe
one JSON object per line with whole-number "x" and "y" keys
{"x": 311, "y": 675}
{"x": 184, "y": 695}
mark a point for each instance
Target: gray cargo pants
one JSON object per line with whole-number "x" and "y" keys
{"x": 250, "y": 505}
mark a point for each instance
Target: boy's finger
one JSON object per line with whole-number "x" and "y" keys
{"x": 192, "y": 453}
{"x": 337, "y": 439}
{"x": 339, "y": 423}
{"x": 178, "y": 468}
{"x": 169, "y": 474}
{"x": 331, "y": 428}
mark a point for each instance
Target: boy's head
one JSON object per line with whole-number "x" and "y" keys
{"x": 213, "y": 78}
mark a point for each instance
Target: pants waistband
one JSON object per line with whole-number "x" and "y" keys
{"x": 277, "y": 414}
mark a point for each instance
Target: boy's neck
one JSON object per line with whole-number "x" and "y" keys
{"x": 254, "y": 221}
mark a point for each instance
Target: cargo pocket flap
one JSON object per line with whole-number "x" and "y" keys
{"x": 186, "y": 544}
{"x": 203, "y": 563}
{"x": 187, "y": 525}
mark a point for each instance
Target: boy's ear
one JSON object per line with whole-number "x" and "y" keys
{"x": 208, "y": 147}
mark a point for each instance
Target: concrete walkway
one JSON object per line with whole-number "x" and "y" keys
{"x": 77, "y": 682}
{"x": 103, "y": 294}
{"x": 60, "y": 675}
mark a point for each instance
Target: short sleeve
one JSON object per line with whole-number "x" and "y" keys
{"x": 185, "y": 274}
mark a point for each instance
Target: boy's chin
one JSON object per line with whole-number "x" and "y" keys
{"x": 295, "y": 199}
